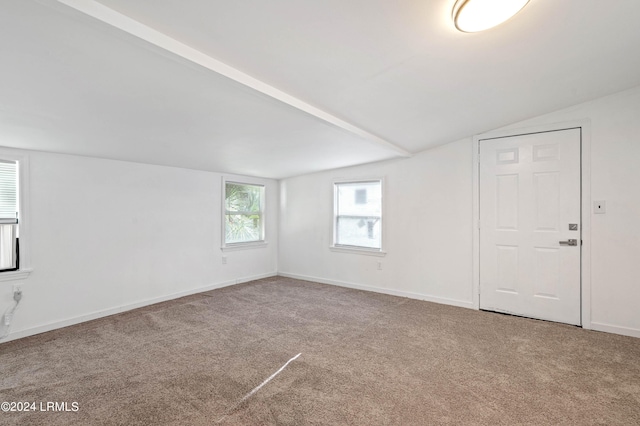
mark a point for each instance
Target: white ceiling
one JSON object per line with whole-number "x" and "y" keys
{"x": 284, "y": 87}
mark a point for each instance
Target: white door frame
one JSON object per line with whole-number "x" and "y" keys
{"x": 585, "y": 175}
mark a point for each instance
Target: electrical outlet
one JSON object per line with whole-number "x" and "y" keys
{"x": 17, "y": 292}
{"x": 379, "y": 266}
{"x": 224, "y": 260}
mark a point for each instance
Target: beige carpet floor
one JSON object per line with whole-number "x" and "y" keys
{"x": 366, "y": 359}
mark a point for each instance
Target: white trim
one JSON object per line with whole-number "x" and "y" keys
{"x": 410, "y": 295}
{"x": 585, "y": 126}
{"x": 137, "y": 29}
{"x": 616, "y": 329}
{"x": 244, "y": 246}
{"x": 585, "y": 234}
{"x": 21, "y": 274}
{"x": 358, "y": 250}
{"x": 475, "y": 284}
{"x": 112, "y": 311}
{"x": 253, "y": 278}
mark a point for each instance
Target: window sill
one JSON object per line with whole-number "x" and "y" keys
{"x": 357, "y": 250}
{"x": 244, "y": 246}
{"x": 21, "y": 274}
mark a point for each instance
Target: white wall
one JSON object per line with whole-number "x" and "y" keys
{"x": 107, "y": 236}
{"x": 427, "y": 227}
{"x": 429, "y": 220}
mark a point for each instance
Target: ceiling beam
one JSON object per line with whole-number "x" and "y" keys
{"x": 125, "y": 23}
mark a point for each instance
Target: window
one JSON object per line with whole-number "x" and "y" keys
{"x": 358, "y": 215}
{"x": 243, "y": 213}
{"x": 14, "y": 216}
{"x": 9, "y": 243}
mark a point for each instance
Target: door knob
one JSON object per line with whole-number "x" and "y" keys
{"x": 571, "y": 242}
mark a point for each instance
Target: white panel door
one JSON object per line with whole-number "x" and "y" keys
{"x": 529, "y": 212}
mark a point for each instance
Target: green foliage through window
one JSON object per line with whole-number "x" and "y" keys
{"x": 243, "y": 213}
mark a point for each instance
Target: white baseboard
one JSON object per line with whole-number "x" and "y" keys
{"x": 616, "y": 329}
{"x": 105, "y": 313}
{"x": 410, "y": 295}
{"x": 254, "y": 277}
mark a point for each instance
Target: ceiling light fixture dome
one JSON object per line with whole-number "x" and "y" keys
{"x": 471, "y": 16}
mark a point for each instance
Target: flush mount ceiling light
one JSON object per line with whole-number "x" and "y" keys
{"x": 471, "y": 16}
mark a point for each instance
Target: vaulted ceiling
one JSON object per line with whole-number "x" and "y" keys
{"x": 285, "y": 87}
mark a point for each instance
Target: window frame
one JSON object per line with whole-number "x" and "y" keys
{"x": 371, "y": 251}
{"x": 262, "y": 242}
{"x": 24, "y": 268}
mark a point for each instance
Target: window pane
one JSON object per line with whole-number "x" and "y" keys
{"x": 240, "y": 228}
{"x": 7, "y": 247}
{"x": 359, "y": 214}
{"x": 359, "y": 199}
{"x": 242, "y": 198}
{"x": 8, "y": 189}
{"x": 358, "y": 231}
